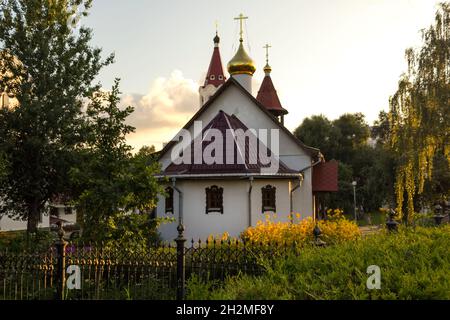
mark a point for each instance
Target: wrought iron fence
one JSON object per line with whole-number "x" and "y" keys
{"x": 27, "y": 276}
{"x": 158, "y": 272}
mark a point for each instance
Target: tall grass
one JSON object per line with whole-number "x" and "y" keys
{"x": 414, "y": 263}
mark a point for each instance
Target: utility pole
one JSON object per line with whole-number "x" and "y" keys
{"x": 354, "y": 200}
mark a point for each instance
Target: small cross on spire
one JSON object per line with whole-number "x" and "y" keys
{"x": 267, "y": 46}
{"x": 241, "y": 18}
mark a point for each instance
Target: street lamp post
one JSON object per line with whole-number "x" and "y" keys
{"x": 354, "y": 199}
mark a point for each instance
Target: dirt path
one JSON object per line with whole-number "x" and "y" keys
{"x": 368, "y": 230}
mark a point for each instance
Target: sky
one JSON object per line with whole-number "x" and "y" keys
{"x": 328, "y": 56}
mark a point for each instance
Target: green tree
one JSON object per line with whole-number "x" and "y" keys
{"x": 3, "y": 166}
{"x": 319, "y": 132}
{"x": 116, "y": 190}
{"x": 49, "y": 67}
{"x": 420, "y": 114}
{"x": 336, "y": 139}
{"x": 437, "y": 189}
{"x": 353, "y": 134}
{"x": 376, "y": 178}
{"x": 346, "y": 140}
{"x": 381, "y": 129}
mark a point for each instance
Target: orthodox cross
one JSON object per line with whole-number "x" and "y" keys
{"x": 240, "y": 18}
{"x": 267, "y": 46}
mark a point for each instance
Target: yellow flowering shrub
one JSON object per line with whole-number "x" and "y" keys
{"x": 219, "y": 237}
{"x": 335, "y": 229}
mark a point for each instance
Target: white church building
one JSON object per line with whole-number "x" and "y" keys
{"x": 235, "y": 191}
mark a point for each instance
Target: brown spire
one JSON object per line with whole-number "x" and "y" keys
{"x": 215, "y": 75}
{"x": 268, "y": 96}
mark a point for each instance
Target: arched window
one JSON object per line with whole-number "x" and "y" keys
{"x": 169, "y": 200}
{"x": 214, "y": 199}
{"x": 268, "y": 198}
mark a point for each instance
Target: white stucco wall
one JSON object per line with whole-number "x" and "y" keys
{"x": 206, "y": 92}
{"x": 235, "y": 219}
{"x": 302, "y": 200}
{"x": 68, "y": 217}
{"x": 8, "y": 224}
{"x": 245, "y": 80}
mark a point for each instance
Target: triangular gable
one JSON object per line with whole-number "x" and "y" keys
{"x": 241, "y": 155}
{"x": 231, "y": 81}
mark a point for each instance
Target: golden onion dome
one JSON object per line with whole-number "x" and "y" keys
{"x": 241, "y": 63}
{"x": 267, "y": 68}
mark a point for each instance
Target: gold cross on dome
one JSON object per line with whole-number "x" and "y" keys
{"x": 267, "y": 46}
{"x": 240, "y": 18}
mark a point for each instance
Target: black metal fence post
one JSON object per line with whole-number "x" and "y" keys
{"x": 181, "y": 263}
{"x": 438, "y": 217}
{"x": 316, "y": 233}
{"x": 60, "y": 245}
{"x": 391, "y": 223}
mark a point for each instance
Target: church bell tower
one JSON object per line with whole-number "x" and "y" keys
{"x": 215, "y": 76}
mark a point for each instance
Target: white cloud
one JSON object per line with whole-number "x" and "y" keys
{"x": 160, "y": 113}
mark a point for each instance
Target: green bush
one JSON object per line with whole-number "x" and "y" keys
{"x": 414, "y": 263}
{"x": 19, "y": 241}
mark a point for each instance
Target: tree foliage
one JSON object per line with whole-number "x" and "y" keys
{"x": 346, "y": 140}
{"x": 381, "y": 129}
{"x": 420, "y": 113}
{"x": 3, "y": 166}
{"x": 48, "y": 66}
{"x": 319, "y": 132}
{"x": 116, "y": 190}
{"x": 353, "y": 132}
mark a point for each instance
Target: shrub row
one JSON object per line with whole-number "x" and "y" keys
{"x": 334, "y": 230}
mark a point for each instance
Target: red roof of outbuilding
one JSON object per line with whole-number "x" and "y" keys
{"x": 223, "y": 122}
{"x": 325, "y": 177}
{"x": 268, "y": 97}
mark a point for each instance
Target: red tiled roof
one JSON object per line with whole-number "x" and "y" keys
{"x": 215, "y": 68}
{"x": 325, "y": 177}
{"x": 55, "y": 220}
{"x": 223, "y": 122}
{"x": 268, "y": 97}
